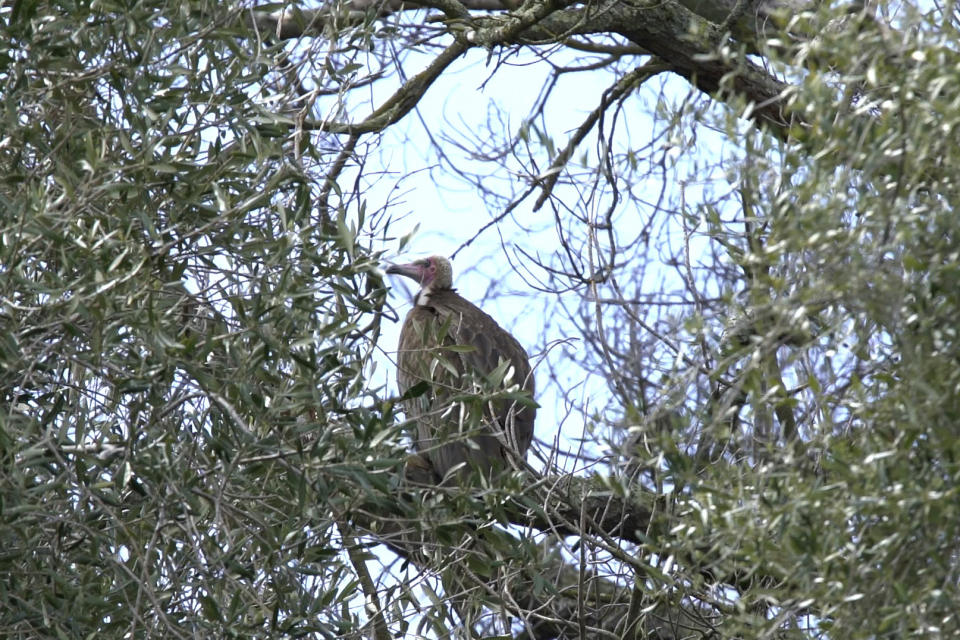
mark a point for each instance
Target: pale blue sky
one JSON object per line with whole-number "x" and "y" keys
{"x": 448, "y": 212}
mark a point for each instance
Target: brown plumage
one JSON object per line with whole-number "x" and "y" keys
{"x": 449, "y": 343}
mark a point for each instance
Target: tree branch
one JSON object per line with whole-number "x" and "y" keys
{"x": 292, "y": 23}
{"x": 547, "y": 613}
{"x": 625, "y": 84}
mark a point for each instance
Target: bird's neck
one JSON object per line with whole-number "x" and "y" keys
{"x": 423, "y": 298}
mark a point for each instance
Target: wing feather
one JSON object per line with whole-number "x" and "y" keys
{"x": 450, "y": 433}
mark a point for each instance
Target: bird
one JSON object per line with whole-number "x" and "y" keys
{"x": 450, "y": 348}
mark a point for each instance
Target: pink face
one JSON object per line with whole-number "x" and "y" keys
{"x": 428, "y": 271}
{"x": 423, "y": 271}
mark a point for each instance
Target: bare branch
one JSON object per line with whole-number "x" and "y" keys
{"x": 623, "y": 86}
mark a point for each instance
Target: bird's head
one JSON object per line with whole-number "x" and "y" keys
{"x": 433, "y": 273}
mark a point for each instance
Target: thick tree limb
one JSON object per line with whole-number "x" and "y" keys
{"x": 416, "y": 522}
{"x": 556, "y": 506}
{"x": 689, "y": 45}
{"x": 684, "y": 34}
{"x": 683, "y": 40}
{"x": 295, "y": 22}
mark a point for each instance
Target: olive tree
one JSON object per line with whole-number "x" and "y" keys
{"x": 754, "y": 250}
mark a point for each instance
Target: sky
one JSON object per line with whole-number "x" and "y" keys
{"x": 446, "y": 213}
{"x": 443, "y": 212}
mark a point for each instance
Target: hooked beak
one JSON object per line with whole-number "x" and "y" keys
{"x": 412, "y": 270}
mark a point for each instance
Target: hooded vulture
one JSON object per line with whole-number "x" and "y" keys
{"x": 452, "y": 349}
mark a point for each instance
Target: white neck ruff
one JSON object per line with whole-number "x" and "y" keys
{"x": 423, "y": 298}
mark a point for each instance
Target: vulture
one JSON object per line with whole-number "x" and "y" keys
{"x": 451, "y": 349}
